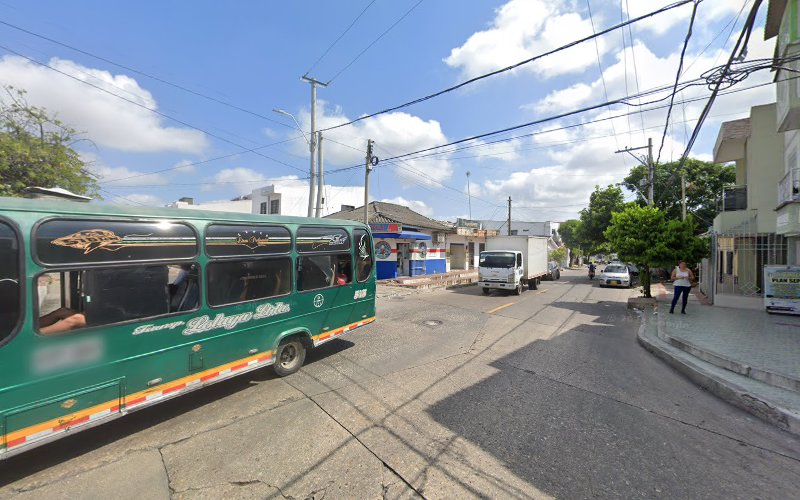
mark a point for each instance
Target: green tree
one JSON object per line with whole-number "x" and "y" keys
{"x": 570, "y": 232}
{"x": 704, "y": 183}
{"x": 643, "y": 236}
{"x": 596, "y": 218}
{"x": 36, "y": 150}
{"x": 559, "y": 254}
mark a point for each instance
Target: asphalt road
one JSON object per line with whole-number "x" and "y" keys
{"x": 449, "y": 394}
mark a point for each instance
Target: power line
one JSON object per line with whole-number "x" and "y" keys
{"x": 152, "y": 110}
{"x": 600, "y": 68}
{"x": 340, "y": 37}
{"x": 633, "y": 56}
{"x": 144, "y": 74}
{"x": 735, "y": 53}
{"x": 677, "y": 79}
{"x": 513, "y": 66}
{"x": 357, "y": 57}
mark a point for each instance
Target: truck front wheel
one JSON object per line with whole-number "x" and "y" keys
{"x": 518, "y": 290}
{"x": 486, "y": 291}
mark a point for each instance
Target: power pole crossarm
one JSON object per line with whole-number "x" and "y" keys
{"x": 647, "y": 161}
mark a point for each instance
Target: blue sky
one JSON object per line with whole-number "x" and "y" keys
{"x": 252, "y": 54}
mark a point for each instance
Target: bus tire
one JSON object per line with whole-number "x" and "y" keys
{"x": 289, "y": 356}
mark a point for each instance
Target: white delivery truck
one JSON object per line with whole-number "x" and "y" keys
{"x": 513, "y": 263}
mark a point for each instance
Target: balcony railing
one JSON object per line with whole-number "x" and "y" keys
{"x": 733, "y": 198}
{"x": 789, "y": 187}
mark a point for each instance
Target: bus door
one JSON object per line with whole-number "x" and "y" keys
{"x": 324, "y": 277}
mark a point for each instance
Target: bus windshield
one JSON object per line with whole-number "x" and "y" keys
{"x": 497, "y": 259}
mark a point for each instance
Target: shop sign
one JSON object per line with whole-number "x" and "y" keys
{"x": 782, "y": 289}
{"x": 386, "y": 228}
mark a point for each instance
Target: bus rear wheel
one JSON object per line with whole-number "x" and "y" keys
{"x": 289, "y": 357}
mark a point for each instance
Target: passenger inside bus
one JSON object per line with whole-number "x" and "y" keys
{"x": 343, "y": 272}
{"x": 184, "y": 291}
{"x": 61, "y": 320}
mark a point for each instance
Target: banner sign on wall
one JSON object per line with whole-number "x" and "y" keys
{"x": 386, "y": 228}
{"x": 782, "y": 289}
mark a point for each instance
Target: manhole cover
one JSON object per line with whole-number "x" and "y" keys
{"x": 432, "y": 322}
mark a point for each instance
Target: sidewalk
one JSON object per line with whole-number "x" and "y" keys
{"x": 749, "y": 358}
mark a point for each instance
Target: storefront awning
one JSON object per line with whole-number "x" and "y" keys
{"x": 410, "y": 235}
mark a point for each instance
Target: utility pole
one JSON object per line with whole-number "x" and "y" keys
{"x": 651, "y": 171}
{"x": 370, "y": 162}
{"x": 312, "y": 141}
{"x": 683, "y": 195}
{"x": 509, "y": 216}
{"x": 320, "y": 177}
{"x": 469, "y": 196}
{"x": 648, "y": 161}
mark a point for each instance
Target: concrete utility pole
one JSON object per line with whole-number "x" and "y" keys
{"x": 321, "y": 177}
{"x": 648, "y": 161}
{"x": 312, "y": 141}
{"x": 469, "y": 196}
{"x": 509, "y": 216}
{"x": 369, "y": 163}
{"x": 651, "y": 171}
{"x": 683, "y": 195}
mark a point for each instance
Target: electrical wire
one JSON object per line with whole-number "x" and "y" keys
{"x": 339, "y": 37}
{"x": 511, "y": 67}
{"x": 358, "y": 56}
{"x": 600, "y": 68}
{"x": 677, "y": 78}
{"x": 145, "y": 74}
{"x": 152, "y": 110}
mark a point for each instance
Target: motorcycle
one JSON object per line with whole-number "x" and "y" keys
{"x": 591, "y": 275}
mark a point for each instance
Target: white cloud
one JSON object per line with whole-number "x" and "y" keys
{"x": 107, "y": 120}
{"x": 522, "y": 29}
{"x": 560, "y": 190}
{"x": 242, "y": 179}
{"x": 415, "y": 205}
{"x": 708, "y": 12}
{"x": 504, "y": 151}
{"x": 393, "y": 133}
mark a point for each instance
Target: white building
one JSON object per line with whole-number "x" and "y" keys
{"x": 289, "y": 197}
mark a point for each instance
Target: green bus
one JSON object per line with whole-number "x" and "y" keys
{"x": 106, "y": 309}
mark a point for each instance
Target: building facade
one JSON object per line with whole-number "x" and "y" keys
{"x": 744, "y": 236}
{"x": 783, "y": 24}
{"x": 406, "y": 242}
{"x": 289, "y": 197}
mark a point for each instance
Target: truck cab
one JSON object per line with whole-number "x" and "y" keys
{"x": 501, "y": 270}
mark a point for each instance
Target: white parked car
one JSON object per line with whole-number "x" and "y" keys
{"x": 615, "y": 275}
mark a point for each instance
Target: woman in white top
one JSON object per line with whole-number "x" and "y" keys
{"x": 682, "y": 278}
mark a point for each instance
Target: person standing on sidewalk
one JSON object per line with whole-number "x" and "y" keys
{"x": 682, "y": 278}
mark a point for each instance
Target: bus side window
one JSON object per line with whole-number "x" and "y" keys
{"x": 231, "y": 282}
{"x": 322, "y": 271}
{"x": 10, "y": 304}
{"x": 364, "y": 259}
{"x": 71, "y": 300}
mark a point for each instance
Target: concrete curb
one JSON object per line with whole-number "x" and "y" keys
{"x": 726, "y": 389}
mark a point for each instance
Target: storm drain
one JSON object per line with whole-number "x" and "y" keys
{"x": 432, "y": 322}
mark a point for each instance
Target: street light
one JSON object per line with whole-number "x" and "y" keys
{"x": 286, "y": 113}
{"x": 311, "y": 146}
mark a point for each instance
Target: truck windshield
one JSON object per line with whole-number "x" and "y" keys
{"x": 497, "y": 260}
